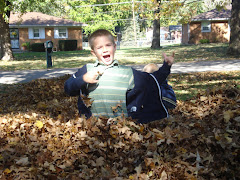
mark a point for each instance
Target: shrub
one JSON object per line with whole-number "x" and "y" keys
{"x": 38, "y": 47}
{"x": 204, "y": 41}
{"x": 26, "y": 45}
{"x": 67, "y": 45}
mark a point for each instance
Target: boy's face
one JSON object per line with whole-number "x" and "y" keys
{"x": 104, "y": 50}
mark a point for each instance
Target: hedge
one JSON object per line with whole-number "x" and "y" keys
{"x": 203, "y": 41}
{"x": 67, "y": 45}
{"x": 38, "y": 47}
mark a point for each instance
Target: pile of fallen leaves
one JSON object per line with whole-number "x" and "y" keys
{"x": 42, "y": 137}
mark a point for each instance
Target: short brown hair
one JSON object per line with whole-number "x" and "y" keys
{"x": 150, "y": 68}
{"x": 99, "y": 33}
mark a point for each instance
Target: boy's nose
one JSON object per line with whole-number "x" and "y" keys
{"x": 104, "y": 48}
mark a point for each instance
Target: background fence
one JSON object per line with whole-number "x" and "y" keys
{"x": 138, "y": 43}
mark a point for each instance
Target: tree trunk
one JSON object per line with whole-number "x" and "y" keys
{"x": 156, "y": 28}
{"x": 156, "y": 34}
{"x": 234, "y": 44}
{"x": 5, "y": 44}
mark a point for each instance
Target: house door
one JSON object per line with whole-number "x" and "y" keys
{"x": 14, "y": 36}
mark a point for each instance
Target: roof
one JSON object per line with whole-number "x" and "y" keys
{"x": 40, "y": 19}
{"x": 224, "y": 14}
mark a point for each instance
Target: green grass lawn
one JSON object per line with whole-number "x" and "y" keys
{"x": 127, "y": 56}
{"x": 188, "y": 85}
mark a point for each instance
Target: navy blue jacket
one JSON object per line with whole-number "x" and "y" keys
{"x": 143, "y": 101}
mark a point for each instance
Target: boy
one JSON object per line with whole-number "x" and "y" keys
{"x": 114, "y": 89}
{"x": 158, "y": 95}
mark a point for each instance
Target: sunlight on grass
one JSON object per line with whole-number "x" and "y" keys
{"x": 75, "y": 62}
{"x": 187, "y": 86}
{"x": 22, "y": 65}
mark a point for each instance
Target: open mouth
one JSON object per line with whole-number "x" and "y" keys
{"x": 106, "y": 57}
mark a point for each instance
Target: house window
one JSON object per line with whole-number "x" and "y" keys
{"x": 14, "y": 33}
{"x": 60, "y": 33}
{"x": 36, "y": 33}
{"x": 206, "y": 26}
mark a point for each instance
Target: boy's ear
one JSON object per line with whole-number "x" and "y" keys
{"x": 93, "y": 53}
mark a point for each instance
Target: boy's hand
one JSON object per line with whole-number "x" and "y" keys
{"x": 168, "y": 59}
{"x": 90, "y": 77}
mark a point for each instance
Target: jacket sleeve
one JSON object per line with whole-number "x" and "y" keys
{"x": 162, "y": 73}
{"x": 76, "y": 83}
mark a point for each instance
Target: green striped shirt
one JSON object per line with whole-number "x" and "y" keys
{"x": 109, "y": 94}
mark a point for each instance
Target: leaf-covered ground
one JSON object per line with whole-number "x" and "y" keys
{"x": 42, "y": 137}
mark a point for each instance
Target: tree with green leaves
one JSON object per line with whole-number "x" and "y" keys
{"x": 99, "y": 13}
{"x": 172, "y": 12}
{"x": 130, "y": 30}
{"x": 112, "y": 13}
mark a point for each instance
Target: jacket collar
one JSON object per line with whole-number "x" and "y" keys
{"x": 114, "y": 63}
